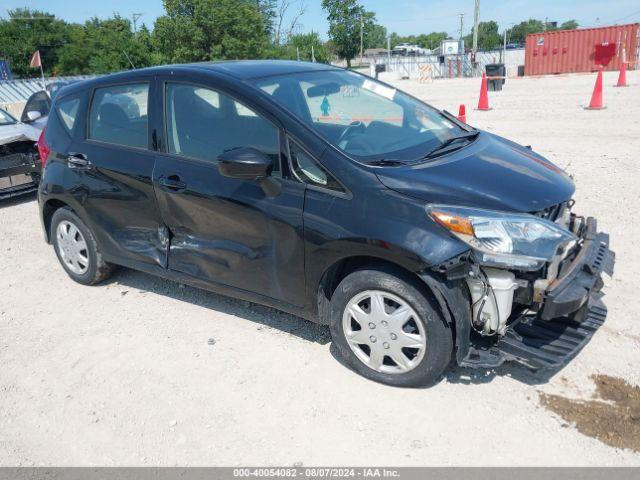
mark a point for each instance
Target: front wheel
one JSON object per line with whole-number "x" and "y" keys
{"x": 387, "y": 329}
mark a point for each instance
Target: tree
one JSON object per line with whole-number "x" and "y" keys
{"x": 267, "y": 9}
{"x": 345, "y": 20}
{"x": 26, "y": 31}
{"x": 302, "y": 43}
{"x": 488, "y": 36}
{"x": 199, "y": 30}
{"x": 375, "y": 36}
{"x": 569, "y": 25}
{"x": 104, "y": 46}
{"x": 431, "y": 41}
{"x": 519, "y": 32}
{"x": 282, "y": 33}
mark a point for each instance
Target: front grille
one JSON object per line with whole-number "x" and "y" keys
{"x": 16, "y": 159}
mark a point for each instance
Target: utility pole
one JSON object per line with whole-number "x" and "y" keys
{"x": 461, "y": 15}
{"x": 361, "y": 38}
{"x": 476, "y": 21}
{"x": 503, "y": 53}
{"x": 135, "y": 17}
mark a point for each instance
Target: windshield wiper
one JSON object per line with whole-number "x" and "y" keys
{"x": 452, "y": 118}
{"x": 442, "y": 148}
{"x": 385, "y": 162}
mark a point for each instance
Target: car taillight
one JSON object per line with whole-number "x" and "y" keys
{"x": 43, "y": 149}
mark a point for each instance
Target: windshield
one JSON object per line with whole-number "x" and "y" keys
{"x": 6, "y": 119}
{"x": 364, "y": 118}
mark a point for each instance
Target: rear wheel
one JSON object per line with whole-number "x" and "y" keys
{"x": 386, "y": 328}
{"x": 76, "y": 248}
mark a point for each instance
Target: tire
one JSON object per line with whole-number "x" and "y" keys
{"x": 403, "y": 297}
{"x": 87, "y": 268}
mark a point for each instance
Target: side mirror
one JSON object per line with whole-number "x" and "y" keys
{"x": 33, "y": 115}
{"x": 244, "y": 163}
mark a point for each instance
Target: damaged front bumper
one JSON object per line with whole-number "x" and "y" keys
{"x": 19, "y": 174}
{"x": 569, "y": 315}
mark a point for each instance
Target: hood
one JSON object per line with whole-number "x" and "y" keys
{"x": 492, "y": 173}
{"x": 18, "y": 132}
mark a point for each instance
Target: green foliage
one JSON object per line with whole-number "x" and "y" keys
{"x": 488, "y": 36}
{"x": 569, "y": 25}
{"x": 102, "y": 46}
{"x": 375, "y": 36}
{"x": 302, "y": 42}
{"x": 431, "y": 41}
{"x": 519, "y": 32}
{"x": 26, "y": 31}
{"x": 267, "y": 9}
{"x": 345, "y": 20}
{"x": 199, "y": 30}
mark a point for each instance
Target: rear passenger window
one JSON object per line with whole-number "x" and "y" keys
{"x": 119, "y": 115}
{"x": 202, "y": 123}
{"x": 68, "y": 111}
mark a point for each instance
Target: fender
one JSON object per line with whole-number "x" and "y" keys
{"x": 455, "y": 303}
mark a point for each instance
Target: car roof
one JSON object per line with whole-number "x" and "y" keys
{"x": 239, "y": 69}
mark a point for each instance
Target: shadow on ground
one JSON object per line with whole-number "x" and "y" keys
{"x": 13, "y": 201}
{"x": 260, "y": 314}
{"x": 299, "y": 327}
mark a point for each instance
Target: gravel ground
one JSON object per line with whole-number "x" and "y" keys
{"x": 125, "y": 373}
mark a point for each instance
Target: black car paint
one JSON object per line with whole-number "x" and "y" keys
{"x": 273, "y": 250}
{"x": 491, "y": 173}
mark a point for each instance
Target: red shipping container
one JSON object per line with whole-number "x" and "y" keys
{"x": 582, "y": 50}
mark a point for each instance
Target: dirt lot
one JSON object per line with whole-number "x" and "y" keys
{"x": 125, "y": 373}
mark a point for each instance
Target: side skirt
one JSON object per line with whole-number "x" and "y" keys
{"x": 215, "y": 287}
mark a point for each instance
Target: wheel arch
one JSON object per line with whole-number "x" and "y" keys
{"x": 450, "y": 297}
{"x": 48, "y": 209}
{"x": 341, "y": 268}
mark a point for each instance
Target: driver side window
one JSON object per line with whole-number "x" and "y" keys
{"x": 203, "y": 123}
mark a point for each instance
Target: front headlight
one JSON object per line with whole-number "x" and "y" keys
{"x": 502, "y": 239}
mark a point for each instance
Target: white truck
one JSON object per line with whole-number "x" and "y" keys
{"x": 405, "y": 49}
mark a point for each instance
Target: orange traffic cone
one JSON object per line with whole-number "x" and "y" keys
{"x": 622, "y": 78}
{"x": 462, "y": 114}
{"x": 483, "y": 102}
{"x": 596, "y": 97}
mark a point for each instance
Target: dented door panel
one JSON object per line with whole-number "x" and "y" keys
{"x": 228, "y": 231}
{"x": 118, "y": 194}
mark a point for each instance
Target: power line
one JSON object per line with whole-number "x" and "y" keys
{"x": 627, "y": 16}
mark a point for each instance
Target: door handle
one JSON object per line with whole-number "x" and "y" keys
{"x": 172, "y": 182}
{"x": 78, "y": 160}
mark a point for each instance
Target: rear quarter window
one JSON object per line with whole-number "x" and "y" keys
{"x": 68, "y": 112}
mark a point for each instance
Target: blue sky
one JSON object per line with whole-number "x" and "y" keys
{"x": 402, "y": 16}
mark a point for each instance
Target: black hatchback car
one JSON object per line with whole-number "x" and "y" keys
{"x": 327, "y": 194}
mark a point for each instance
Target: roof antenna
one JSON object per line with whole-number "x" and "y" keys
{"x": 125, "y": 54}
